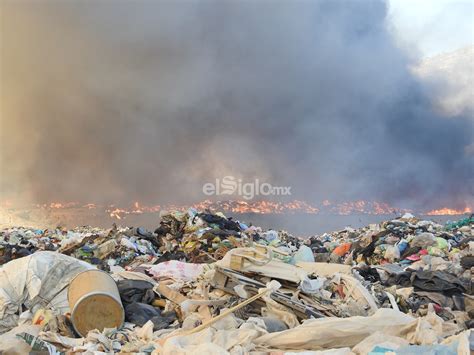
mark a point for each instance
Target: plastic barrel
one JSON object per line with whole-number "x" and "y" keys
{"x": 95, "y": 302}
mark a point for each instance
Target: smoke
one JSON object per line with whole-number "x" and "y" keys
{"x": 144, "y": 100}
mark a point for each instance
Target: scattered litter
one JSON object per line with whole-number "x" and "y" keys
{"x": 206, "y": 283}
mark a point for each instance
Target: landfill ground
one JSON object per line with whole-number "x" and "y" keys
{"x": 300, "y": 224}
{"x": 203, "y": 283}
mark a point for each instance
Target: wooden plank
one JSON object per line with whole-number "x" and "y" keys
{"x": 170, "y": 294}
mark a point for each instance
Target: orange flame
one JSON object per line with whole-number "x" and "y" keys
{"x": 243, "y": 207}
{"x": 448, "y": 212}
{"x": 264, "y": 207}
{"x": 59, "y": 205}
{"x": 90, "y": 206}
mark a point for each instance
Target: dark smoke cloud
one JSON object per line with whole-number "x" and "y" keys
{"x": 121, "y": 101}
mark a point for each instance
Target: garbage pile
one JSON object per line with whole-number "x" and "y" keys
{"x": 202, "y": 283}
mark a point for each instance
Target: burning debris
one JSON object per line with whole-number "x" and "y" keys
{"x": 71, "y": 214}
{"x": 203, "y": 282}
{"x": 267, "y": 207}
{"x": 449, "y": 212}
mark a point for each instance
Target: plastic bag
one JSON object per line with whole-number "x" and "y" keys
{"x": 36, "y": 281}
{"x": 342, "y": 249}
{"x": 140, "y": 313}
{"x": 176, "y": 270}
{"x": 135, "y": 291}
{"x": 423, "y": 240}
{"x": 441, "y": 243}
{"x": 392, "y": 253}
{"x": 334, "y": 332}
{"x": 304, "y": 253}
{"x": 402, "y": 246}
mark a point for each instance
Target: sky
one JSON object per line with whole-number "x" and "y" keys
{"x": 148, "y": 100}
{"x": 431, "y": 27}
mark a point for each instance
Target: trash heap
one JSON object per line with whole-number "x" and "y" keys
{"x": 202, "y": 283}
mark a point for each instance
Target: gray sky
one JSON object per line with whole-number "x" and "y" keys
{"x": 148, "y": 100}
{"x": 431, "y": 27}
